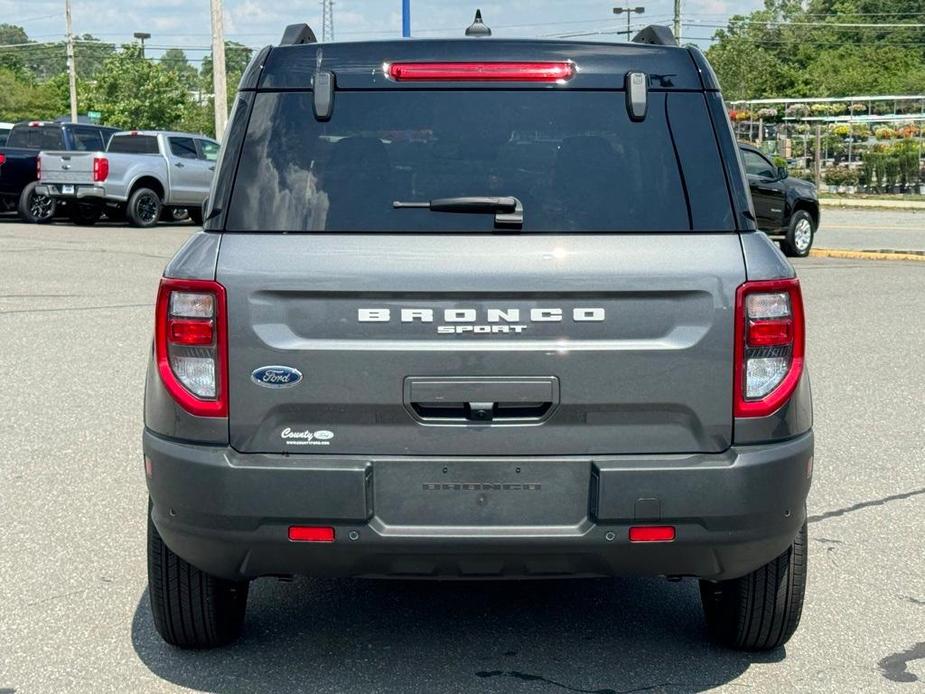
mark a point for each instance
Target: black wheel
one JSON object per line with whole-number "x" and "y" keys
{"x": 85, "y": 213}
{"x": 191, "y": 608}
{"x": 35, "y": 208}
{"x": 144, "y": 208}
{"x": 761, "y": 610}
{"x": 195, "y": 214}
{"x": 799, "y": 239}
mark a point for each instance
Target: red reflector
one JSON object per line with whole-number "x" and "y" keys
{"x": 190, "y": 332}
{"x": 762, "y": 333}
{"x": 652, "y": 533}
{"x": 310, "y": 533}
{"x": 482, "y": 72}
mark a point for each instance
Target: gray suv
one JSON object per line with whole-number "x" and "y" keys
{"x": 478, "y": 309}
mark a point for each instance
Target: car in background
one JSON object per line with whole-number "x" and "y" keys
{"x": 142, "y": 174}
{"x": 19, "y": 163}
{"x": 786, "y": 208}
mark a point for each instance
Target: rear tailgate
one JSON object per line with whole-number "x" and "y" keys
{"x": 482, "y": 345}
{"x": 67, "y": 167}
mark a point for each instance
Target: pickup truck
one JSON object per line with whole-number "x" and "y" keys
{"x": 19, "y": 163}
{"x": 479, "y": 309}
{"x": 141, "y": 174}
{"x": 786, "y": 208}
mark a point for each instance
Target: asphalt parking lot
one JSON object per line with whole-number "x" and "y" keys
{"x": 75, "y": 324}
{"x": 872, "y": 229}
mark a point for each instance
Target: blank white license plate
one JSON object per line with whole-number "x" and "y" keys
{"x": 67, "y": 190}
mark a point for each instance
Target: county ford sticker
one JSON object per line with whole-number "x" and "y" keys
{"x": 306, "y": 437}
{"x": 276, "y": 376}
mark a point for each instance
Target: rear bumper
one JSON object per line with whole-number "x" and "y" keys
{"x": 229, "y": 513}
{"x": 80, "y": 191}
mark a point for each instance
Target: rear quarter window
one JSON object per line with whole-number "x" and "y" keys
{"x": 573, "y": 158}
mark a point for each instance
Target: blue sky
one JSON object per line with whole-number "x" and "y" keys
{"x": 185, "y": 23}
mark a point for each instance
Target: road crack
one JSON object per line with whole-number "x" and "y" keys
{"x": 864, "y": 504}
{"x": 525, "y": 677}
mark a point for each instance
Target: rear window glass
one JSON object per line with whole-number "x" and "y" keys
{"x": 573, "y": 158}
{"x": 39, "y": 137}
{"x": 133, "y": 144}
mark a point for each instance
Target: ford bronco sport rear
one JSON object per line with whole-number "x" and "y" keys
{"x": 470, "y": 309}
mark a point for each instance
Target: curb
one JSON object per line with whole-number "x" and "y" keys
{"x": 867, "y": 255}
{"x": 901, "y": 205}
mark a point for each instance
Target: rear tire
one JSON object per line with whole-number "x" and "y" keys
{"x": 761, "y": 610}
{"x": 144, "y": 208}
{"x": 800, "y": 236}
{"x": 35, "y": 208}
{"x": 191, "y": 608}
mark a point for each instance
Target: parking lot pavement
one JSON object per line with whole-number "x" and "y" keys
{"x": 75, "y": 328}
{"x": 863, "y": 229}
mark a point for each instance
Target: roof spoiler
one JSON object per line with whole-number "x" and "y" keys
{"x": 297, "y": 35}
{"x": 656, "y": 35}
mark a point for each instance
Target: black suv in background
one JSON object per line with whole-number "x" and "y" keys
{"x": 787, "y": 208}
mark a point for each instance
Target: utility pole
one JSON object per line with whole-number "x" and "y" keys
{"x": 219, "y": 86}
{"x": 71, "y": 63}
{"x": 630, "y": 11}
{"x": 677, "y": 20}
{"x": 406, "y": 18}
{"x": 327, "y": 20}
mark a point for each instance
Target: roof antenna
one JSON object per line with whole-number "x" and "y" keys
{"x": 478, "y": 28}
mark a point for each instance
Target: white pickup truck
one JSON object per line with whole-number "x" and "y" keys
{"x": 141, "y": 173}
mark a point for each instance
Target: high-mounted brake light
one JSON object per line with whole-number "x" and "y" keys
{"x": 769, "y": 345}
{"x": 481, "y": 72}
{"x": 100, "y": 169}
{"x": 191, "y": 345}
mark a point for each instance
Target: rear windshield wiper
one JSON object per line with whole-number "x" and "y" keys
{"x": 508, "y": 211}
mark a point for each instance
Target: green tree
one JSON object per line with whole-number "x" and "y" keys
{"x": 132, "y": 92}
{"x": 237, "y": 56}
{"x": 174, "y": 59}
{"x": 796, "y": 49}
{"x": 22, "y": 99}
{"x": 12, "y": 58}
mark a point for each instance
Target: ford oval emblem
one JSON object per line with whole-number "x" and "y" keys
{"x": 276, "y": 376}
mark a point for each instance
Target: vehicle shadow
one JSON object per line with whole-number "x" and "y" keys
{"x": 597, "y": 636}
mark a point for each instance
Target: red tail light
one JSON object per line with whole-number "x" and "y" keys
{"x": 769, "y": 345}
{"x": 481, "y": 72}
{"x": 191, "y": 345}
{"x": 100, "y": 169}
{"x": 2, "y": 158}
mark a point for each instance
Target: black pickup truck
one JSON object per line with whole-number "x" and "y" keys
{"x": 19, "y": 163}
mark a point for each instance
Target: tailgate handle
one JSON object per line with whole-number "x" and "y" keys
{"x": 474, "y": 400}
